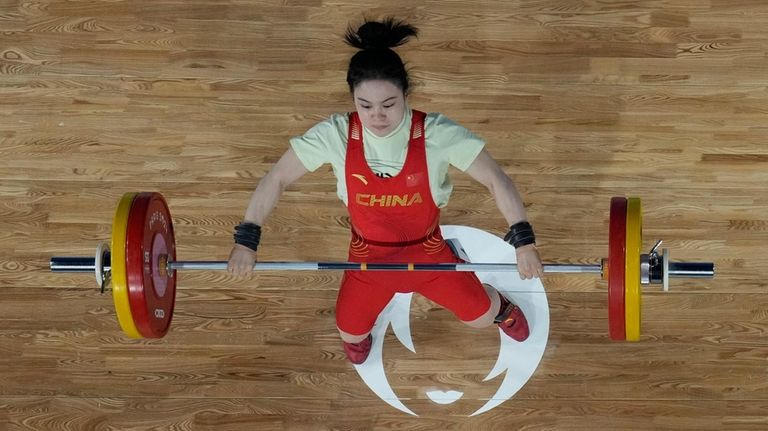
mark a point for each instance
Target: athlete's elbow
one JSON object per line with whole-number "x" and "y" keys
{"x": 273, "y": 183}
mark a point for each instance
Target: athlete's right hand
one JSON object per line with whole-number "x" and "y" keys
{"x": 241, "y": 260}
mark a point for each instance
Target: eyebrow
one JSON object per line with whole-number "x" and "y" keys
{"x": 383, "y": 101}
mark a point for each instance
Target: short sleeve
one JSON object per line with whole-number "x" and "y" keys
{"x": 457, "y": 144}
{"x": 321, "y": 143}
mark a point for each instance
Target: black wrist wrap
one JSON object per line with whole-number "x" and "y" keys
{"x": 248, "y": 234}
{"x": 520, "y": 234}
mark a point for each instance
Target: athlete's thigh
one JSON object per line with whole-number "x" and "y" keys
{"x": 460, "y": 292}
{"x": 362, "y": 297}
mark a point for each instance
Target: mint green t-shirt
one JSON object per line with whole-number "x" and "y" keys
{"x": 447, "y": 143}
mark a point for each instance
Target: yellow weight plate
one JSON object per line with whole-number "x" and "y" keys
{"x": 632, "y": 292}
{"x": 118, "y": 269}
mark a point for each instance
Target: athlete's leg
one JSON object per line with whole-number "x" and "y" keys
{"x": 358, "y": 305}
{"x": 487, "y": 318}
{"x": 477, "y": 305}
{"x": 464, "y": 295}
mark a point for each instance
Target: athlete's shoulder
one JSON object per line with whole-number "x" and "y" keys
{"x": 335, "y": 121}
{"x": 439, "y": 122}
{"x": 329, "y": 131}
{"x": 437, "y": 125}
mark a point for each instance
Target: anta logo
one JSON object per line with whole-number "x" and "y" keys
{"x": 405, "y": 200}
{"x": 361, "y": 178}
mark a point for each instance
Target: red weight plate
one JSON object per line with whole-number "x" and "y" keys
{"x": 617, "y": 245}
{"x": 150, "y": 242}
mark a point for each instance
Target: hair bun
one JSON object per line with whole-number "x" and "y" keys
{"x": 387, "y": 33}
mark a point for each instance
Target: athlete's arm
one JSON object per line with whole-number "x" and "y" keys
{"x": 263, "y": 200}
{"x": 487, "y": 172}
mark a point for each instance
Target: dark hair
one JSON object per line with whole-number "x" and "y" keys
{"x": 376, "y": 60}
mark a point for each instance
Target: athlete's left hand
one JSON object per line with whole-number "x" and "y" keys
{"x": 529, "y": 262}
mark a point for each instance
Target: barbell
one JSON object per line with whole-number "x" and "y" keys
{"x": 140, "y": 265}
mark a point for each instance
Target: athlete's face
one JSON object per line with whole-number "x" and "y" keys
{"x": 380, "y": 105}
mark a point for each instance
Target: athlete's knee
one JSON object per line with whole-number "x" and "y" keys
{"x": 485, "y": 318}
{"x": 352, "y": 338}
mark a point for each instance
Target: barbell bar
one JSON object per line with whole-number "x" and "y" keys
{"x": 88, "y": 264}
{"x": 140, "y": 265}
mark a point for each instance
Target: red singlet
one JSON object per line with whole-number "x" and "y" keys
{"x": 396, "y": 220}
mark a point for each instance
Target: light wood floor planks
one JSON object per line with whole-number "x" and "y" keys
{"x": 578, "y": 101}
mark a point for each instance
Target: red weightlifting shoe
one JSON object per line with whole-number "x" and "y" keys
{"x": 357, "y": 353}
{"x": 512, "y": 321}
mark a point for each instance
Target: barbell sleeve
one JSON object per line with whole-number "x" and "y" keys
{"x": 74, "y": 264}
{"x": 691, "y": 269}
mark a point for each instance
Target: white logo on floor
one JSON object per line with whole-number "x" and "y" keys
{"x": 517, "y": 361}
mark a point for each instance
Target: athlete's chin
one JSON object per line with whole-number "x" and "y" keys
{"x": 380, "y": 131}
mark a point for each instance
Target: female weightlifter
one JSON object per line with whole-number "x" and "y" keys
{"x": 391, "y": 164}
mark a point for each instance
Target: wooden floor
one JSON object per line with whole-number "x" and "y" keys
{"x": 578, "y": 100}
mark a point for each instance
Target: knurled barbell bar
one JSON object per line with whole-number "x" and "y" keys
{"x": 140, "y": 265}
